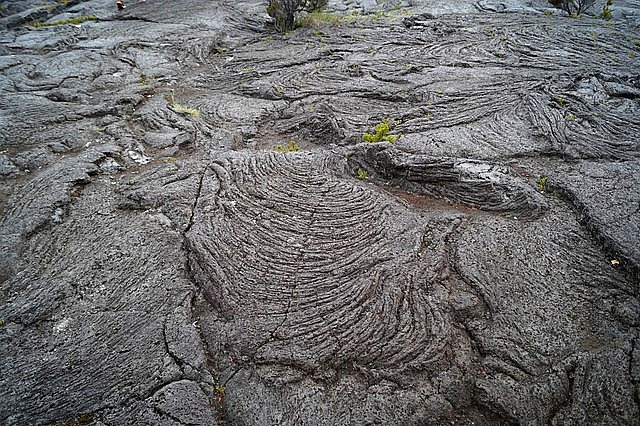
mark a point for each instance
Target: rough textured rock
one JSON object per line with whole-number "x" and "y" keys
{"x": 193, "y": 231}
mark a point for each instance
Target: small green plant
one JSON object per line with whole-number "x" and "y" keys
{"x": 220, "y": 390}
{"x": 292, "y": 146}
{"x": 2, "y": 323}
{"x": 607, "y": 14}
{"x": 548, "y": 13}
{"x": 351, "y": 17}
{"x": 561, "y": 101}
{"x": 145, "y": 80}
{"x": 186, "y": 110}
{"x": 381, "y": 14}
{"x": 72, "y": 21}
{"x": 319, "y": 18}
{"x": 381, "y": 134}
{"x": 571, "y": 117}
{"x": 542, "y": 183}
{"x": 362, "y": 174}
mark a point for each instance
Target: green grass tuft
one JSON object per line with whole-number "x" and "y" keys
{"x": 381, "y": 133}
{"x": 291, "y": 147}
{"x": 183, "y": 109}
{"x": 542, "y": 183}
{"x": 319, "y": 18}
{"x": 72, "y": 21}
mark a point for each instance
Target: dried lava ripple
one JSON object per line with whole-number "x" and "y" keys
{"x": 314, "y": 269}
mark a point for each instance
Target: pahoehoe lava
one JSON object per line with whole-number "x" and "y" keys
{"x": 315, "y": 270}
{"x": 193, "y": 230}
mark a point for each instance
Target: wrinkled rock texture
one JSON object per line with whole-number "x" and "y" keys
{"x": 162, "y": 263}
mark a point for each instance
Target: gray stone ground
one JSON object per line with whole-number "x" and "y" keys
{"x": 168, "y": 267}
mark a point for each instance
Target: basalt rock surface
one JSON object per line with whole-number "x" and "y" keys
{"x": 194, "y": 232}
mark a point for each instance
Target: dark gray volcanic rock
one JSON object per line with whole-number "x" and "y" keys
{"x": 165, "y": 260}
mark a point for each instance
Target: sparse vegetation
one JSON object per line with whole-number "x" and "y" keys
{"x": 319, "y": 17}
{"x": 381, "y": 134}
{"x": 292, "y": 146}
{"x": 145, "y": 80}
{"x": 220, "y": 391}
{"x": 72, "y": 21}
{"x": 362, "y": 174}
{"x": 574, "y": 8}
{"x": 561, "y": 101}
{"x": 184, "y": 109}
{"x": 542, "y": 183}
{"x": 607, "y": 14}
{"x": 2, "y": 323}
{"x": 381, "y": 14}
{"x": 284, "y": 11}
